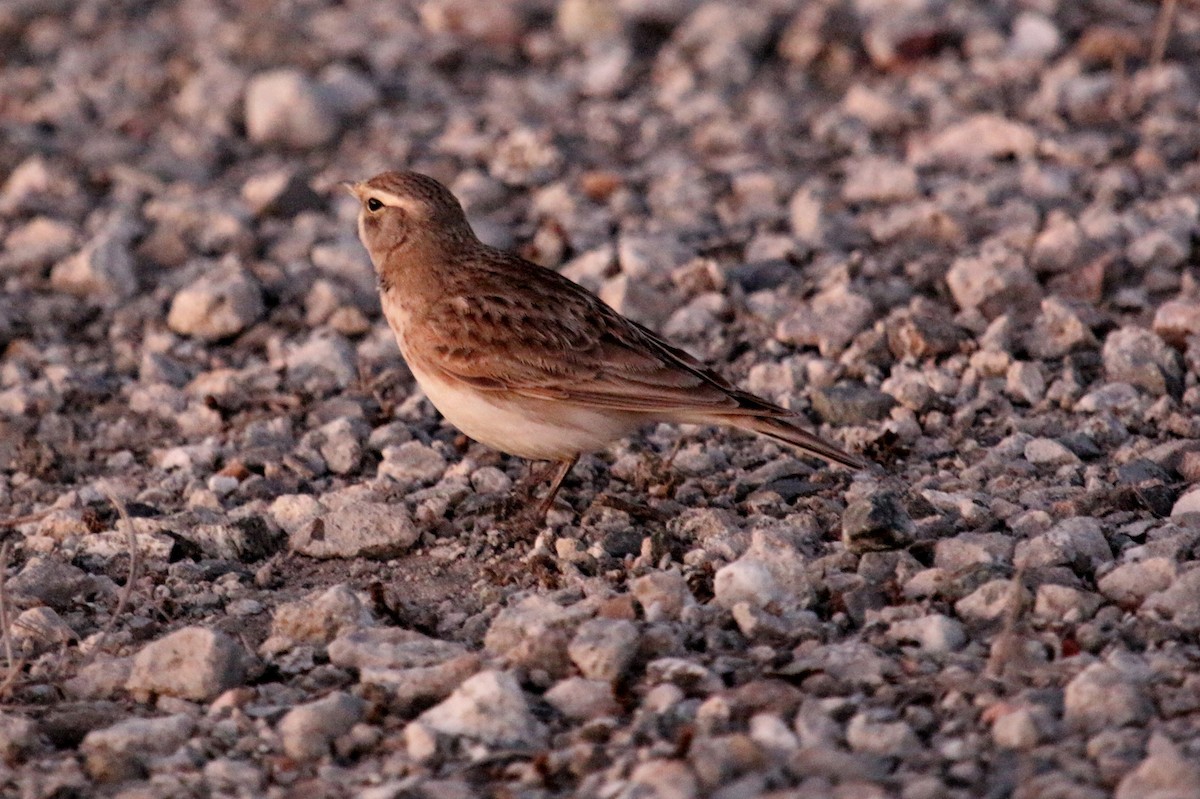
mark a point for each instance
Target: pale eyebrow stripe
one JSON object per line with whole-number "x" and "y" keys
{"x": 387, "y": 198}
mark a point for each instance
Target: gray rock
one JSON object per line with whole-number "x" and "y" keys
{"x": 684, "y": 674}
{"x": 854, "y": 663}
{"x": 807, "y": 216}
{"x": 996, "y": 281}
{"x": 1158, "y": 249}
{"x": 935, "y": 633}
{"x": 1034, "y": 36}
{"x": 910, "y": 388}
{"x": 1111, "y": 397}
{"x": 390, "y": 648}
{"x": 1062, "y": 603}
{"x": 101, "y": 679}
{"x": 1116, "y": 750}
{"x": 773, "y": 380}
{"x": 490, "y": 708}
{"x": 346, "y": 90}
{"x": 534, "y": 633}
{"x": 229, "y": 776}
{"x": 1057, "y": 330}
{"x": 283, "y": 106}
{"x": 919, "y": 333}
{"x": 246, "y": 539}
{"x": 583, "y": 699}
{"x": 490, "y": 480}
{"x": 590, "y": 269}
{"x": 1103, "y": 696}
{"x": 413, "y": 689}
{"x": 1136, "y": 356}
{"x": 1077, "y": 542}
{"x": 1176, "y": 320}
{"x": 123, "y": 750}
{"x": 282, "y": 192}
{"x": 316, "y": 619}
{"x": 887, "y": 738}
{"x": 988, "y": 603}
{"x": 420, "y": 743}
{"x": 104, "y": 268}
{"x": 876, "y": 522}
{"x": 604, "y": 648}
{"x": 770, "y": 573}
{"x": 664, "y": 777}
{"x": 1180, "y": 602}
{"x": 210, "y": 96}
{"x": 158, "y": 368}
{"x": 636, "y": 300}
{"x": 662, "y": 594}
{"x": 879, "y": 180}
{"x": 1059, "y": 246}
{"x": 646, "y": 257}
{"x": 308, "y": 730}
{"x": 341, "y": 444}
{"x": 1026, "y": 382}
{"x": 829, "y": 322}
{"x": 1166, "y": 773}
{"x": 695, "y": 319}
{"x": 36, "y": 244}
{"x": 718, "y": 41}
{"x": 322, "y": 364}
{"x": 525, "y": 157}
{"x": 1017, "y": 729}
{"x": 293, "y": 511}
{"x": 39, "y": 630}
{"x": 1048, "y": 452}
{"x": 1130, "y": 583}
{"x": 57, "y": 584}
{"x": 18, "y": 737}
{"x": 966, "y": 550}
{"x": 192, "y": 663}
{"x": 582, "y": 21}
{"x": 355, "y": 530}
{"x": 216, "y": 306}
{"x": 412, "y": 462}
{"x": 773, "y": 734}
{"x": 852, "y": 403}
{"x": 1187, "y": 506}
{"x": 979, "y": 138}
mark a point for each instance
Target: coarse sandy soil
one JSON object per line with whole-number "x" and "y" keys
{"x": 242, "y": 556}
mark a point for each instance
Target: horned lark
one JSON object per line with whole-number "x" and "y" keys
{"x": 522, "y": 359}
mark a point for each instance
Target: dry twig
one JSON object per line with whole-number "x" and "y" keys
{"x": 1008, "y": 648}
{"x": 127, "y": 589}
{"x": 1162, "y": 32}
{"x": 5, "y": 630}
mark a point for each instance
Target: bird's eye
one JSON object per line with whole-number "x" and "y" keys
{"x": 373, "y": 205}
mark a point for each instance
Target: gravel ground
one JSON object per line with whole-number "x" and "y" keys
{"x": 959, "y": 236}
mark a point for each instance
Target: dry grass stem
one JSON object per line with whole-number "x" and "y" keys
{"x": 1162, "y": 32}
{"x": 127, "y": 589}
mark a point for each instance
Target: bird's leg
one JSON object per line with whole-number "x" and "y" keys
{"x": 535, "y": 475}
{"x": 527, "y": 522}
{"x": 564, "y": 468}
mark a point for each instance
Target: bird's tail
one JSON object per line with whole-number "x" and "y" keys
{"x": 783, "y": 430}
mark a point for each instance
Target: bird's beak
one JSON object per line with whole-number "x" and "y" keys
{"x": 355, "y": 189}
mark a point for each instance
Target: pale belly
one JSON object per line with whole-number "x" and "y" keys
{"x": 534, "y": 429}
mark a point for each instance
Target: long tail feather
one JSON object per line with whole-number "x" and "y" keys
{"x": 785, "y": 431}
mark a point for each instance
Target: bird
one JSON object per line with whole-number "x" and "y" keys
{"x": 523, "y": 359}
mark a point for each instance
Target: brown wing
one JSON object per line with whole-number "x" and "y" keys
{"x": 537, "y": 334}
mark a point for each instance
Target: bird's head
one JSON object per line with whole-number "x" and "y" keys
{"x": 407, "y": 212}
